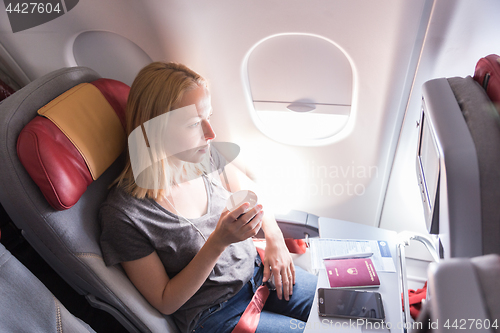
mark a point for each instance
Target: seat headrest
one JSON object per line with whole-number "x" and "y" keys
{"x": 74, "y": 139}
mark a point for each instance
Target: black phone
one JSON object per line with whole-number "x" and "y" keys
{"x": 350, "y": 304}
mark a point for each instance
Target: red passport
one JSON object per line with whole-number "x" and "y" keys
{"x": 351, "y": 273}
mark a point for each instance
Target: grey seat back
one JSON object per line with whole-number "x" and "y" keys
{"x": 484, "y": 125}
{"x": 465, "y": 129}
{"x": 463, "y": 294}
{"x": 68, "y": 240}
{"x": 27, "y": 305}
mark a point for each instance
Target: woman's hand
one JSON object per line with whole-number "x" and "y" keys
{"x": 233, "y": 228}
{"x": 278, "y": 261}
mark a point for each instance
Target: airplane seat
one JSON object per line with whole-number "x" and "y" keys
{"x": 458, "y": 162}
{"x": 483, "y": 122}
{"x": 27, "y": 305}
{"x": 62, "y": 145}
{"x": 463, "y": 293}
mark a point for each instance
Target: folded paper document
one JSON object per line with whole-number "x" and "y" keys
{"x": 322, "y": 248}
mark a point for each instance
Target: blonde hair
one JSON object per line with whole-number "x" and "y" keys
{"x": 156, "y": 90}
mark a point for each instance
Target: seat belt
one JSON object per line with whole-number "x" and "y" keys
{"x": 250, "y": 318}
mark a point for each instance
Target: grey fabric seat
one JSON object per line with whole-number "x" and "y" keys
{"x": 68, "y": 240}
{"x": 27, "y": 305}
{"x": 466, "y": 135}
{"x": 464, "y": 290}
{"x": 484, "y": 125}
{"x": 462, "y": 293}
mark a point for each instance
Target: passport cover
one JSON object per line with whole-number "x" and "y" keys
{"x": 351, "y": 273}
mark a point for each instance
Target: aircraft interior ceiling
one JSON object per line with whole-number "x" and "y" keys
{"x": 365, "y": 173}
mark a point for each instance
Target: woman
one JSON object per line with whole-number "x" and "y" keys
{"x": 165, "y": 221}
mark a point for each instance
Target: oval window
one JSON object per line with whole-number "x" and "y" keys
{"x": 300, "y": 87}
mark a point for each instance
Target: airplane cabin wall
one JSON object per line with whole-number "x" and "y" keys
{"x": 309, "y": 178}
{"x": 382, "y": 39}
{"x": 459, "y": 34}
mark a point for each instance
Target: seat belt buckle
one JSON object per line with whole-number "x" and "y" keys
{"x": 270, "y": 283}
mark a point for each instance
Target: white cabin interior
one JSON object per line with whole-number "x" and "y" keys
{"x": 359, "y": 64}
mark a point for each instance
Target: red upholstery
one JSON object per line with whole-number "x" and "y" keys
{"x": 487, "y": 74}
{"x": 116, "y": 93}
{"x": 51, "y": 158}
{"x": 53, "y": 163}
{"x": 415, "y": 300}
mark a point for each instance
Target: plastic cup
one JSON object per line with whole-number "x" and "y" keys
{"x": 240, "y": 197}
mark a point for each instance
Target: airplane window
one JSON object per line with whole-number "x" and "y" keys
{"x": 300, "y": 87}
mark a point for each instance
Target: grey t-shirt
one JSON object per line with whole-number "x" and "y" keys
{"x": 133, "y": 228}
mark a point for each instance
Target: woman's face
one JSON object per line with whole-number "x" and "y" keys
{"x": 189, "y": 132}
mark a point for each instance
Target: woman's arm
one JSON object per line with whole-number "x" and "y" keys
{"x": 278, "y": 260}
{"x": 168, "y": 295}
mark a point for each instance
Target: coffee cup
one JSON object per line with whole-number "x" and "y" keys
{"x": 240, "y": 197}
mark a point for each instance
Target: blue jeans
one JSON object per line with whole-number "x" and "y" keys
{"x": 277, "y": 316}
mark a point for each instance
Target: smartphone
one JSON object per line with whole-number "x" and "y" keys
{"x": 350, "y": 304}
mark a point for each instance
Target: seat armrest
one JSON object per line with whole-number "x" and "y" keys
{"x": 296, "y": 224}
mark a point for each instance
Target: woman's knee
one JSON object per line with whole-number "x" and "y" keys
{"x": 308, "y": 280}
{"x": 304, "y": 291}
{"x": 300, "y": 302}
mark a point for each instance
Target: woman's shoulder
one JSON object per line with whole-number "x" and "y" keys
{"x": 122, "y": 238}
{"x": 120, "y": 200}
{"x": 117, "y": 196}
